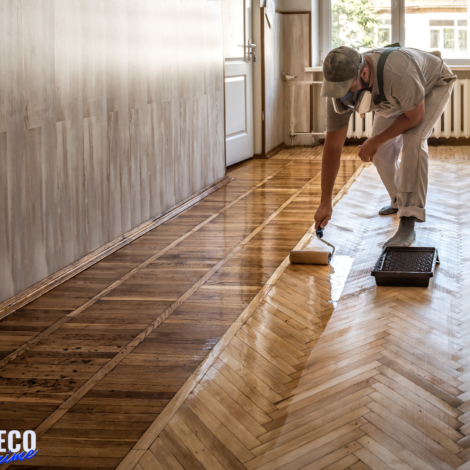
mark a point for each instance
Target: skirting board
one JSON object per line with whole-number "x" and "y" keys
{"x": 272, "y": 152}
{"x": 54, "y": 280}
{"x": 433, "y": 141}
{"x": 448, "y": 142}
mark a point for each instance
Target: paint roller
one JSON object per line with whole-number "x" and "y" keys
{"x": 313, "y": 256}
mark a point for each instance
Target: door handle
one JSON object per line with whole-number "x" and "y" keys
{"x": 250, "y": 51}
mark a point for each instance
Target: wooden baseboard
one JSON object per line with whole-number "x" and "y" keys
{"x": 276, "y": 150}
{"x": 271, "y": 153}
{"x": 54, "y": 280}
{"x": 317, "y": 144}
{"x": 433, "y": 141}
{"x": 258, "y": 156}
{"x": 238, "y": 165}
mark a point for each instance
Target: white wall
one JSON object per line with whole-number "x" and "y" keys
{"x": 316, "y": 32}
{"x": 257, "y": 90}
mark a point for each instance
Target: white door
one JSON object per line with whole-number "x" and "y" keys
{"x": 239, "y": 56}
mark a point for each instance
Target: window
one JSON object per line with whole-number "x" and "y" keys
{"x": 362, "y": 24}
{"x": 422, "y": 24}
{"x": 448, "y": 39}
{"x": 384, "y": 31}
{"x": 446, "y": 25}
{"x": 440, "y": 29}
{"x": 384, "y": 36}
{"x": 462, "y": 39}
{"x": 462, "y": 28}
{"x": 441, "y": 22}
{"x": 435, "y": 38}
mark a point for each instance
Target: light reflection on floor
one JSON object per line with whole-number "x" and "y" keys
{"x": 339, "y": 270}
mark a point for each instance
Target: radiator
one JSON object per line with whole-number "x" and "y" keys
{"x": 454, "y": 122}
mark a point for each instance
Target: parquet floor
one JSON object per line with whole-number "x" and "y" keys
{"x": 93, "y": 364}
{"x": 381, "y": 381}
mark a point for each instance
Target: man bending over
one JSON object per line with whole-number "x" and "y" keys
{"x": 408, "y": 89}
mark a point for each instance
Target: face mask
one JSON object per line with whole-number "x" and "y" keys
{"x": 361, "y": 105}
{"x": 344, "y": 104}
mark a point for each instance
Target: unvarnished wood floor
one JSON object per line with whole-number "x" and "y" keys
{"x": 380, "y": 382}
{"x": 92, "y": 364}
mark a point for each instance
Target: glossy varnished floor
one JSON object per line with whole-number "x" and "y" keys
{"x": 92, "y": 364}
{"x": 381, "y": 381}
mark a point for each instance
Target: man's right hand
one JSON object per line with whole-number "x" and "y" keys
{"x": 323, "y": 214}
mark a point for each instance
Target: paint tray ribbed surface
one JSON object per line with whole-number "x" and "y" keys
{"x": 405, "y": 266}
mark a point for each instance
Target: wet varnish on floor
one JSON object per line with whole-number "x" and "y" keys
{"x": 381, "y": 382}
{"x": 91, "y": 365}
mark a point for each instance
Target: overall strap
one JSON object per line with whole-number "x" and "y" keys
{"x": 380, "y": 72}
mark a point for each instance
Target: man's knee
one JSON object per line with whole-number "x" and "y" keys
{"x": 387, "y": 153}
{"x": 415, "y": 143}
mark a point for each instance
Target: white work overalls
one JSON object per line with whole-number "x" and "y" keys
{"x": 407, "y": 183}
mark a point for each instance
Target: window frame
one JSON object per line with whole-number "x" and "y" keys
{"x": 438, "y": 31}
{"x": 459, "y": 30}
{"x": 397, "y": 29}
{"x": 446, "y": 31}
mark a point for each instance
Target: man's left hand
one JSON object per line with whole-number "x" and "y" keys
{"x": 368, "y": 150}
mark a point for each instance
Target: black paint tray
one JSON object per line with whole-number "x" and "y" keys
{"x": 405, "y": 266}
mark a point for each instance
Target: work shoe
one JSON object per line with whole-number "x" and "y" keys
{"x": 387, "y": 210}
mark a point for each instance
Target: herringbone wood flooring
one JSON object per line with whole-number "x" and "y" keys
{"x": 382, "y": 381}
{"x": 94, "y": 362}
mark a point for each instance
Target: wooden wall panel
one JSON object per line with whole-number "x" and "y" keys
{"x": 234, "y": 29}
{"x": 111, "y": 112}
{"x": 286, "y": 49}
{"x": 296, "y": 56}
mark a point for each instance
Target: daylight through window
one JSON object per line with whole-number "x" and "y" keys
{"x": 428, "y": 25}
{"x": 445, "y": 23}
{"x": 362, "y": 24}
